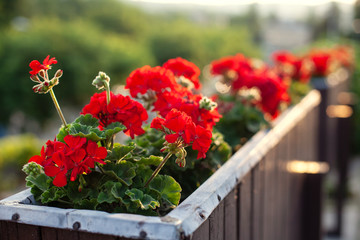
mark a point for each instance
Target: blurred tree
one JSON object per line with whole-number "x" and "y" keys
{"x": 254, "y": 22}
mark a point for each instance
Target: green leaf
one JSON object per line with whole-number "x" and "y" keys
{"x": 74, "y": 194}
{"x": 105, "y": 193}
{"x": 118, "y": 191}
{"x": 87, "y": 120}
{"x": 62, "y": 133}
{"x": 151, "y": 160}
{"x": 120, "y": 152}
{"x": 52, "y": 194}
{"x": 89, "y": 132}
{"x": 123, "y": 171}
{"x": 41, "y": 181}
{"x": 87, "y": 204}
{"x": 144, "y": 201}
{"x": 168, "y": 188}
{"x": 143, "y": 173}
{"x": 113, "y": 128}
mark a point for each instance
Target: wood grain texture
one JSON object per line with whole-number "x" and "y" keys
{"x": 202, "y": 233}
{"x": 245, "y": 209}
{"x": 230, "y": 215}
{"x": 217, "y": 222}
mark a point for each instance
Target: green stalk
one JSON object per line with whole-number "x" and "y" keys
{"x": 107, "y": 88}
{"x": 57, "y": 106}
{"x": 157, "y": 170}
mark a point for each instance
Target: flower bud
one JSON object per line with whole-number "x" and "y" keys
{"x": 35, "y": 78}
{"x": 58, "y": 73}
{"x": 42, "y": 74}
{"x": 208, "y": 104}
{"x": 101, "y": 80}
{"x": 180, "y": 157}
{"x": 32, "y": 169}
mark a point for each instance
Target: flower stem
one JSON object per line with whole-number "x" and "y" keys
{"x": 107, "y": 88}
{"x": 157, "y": 170}
{"x": 57, "y": 106}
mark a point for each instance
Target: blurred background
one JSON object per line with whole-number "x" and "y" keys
{"x": 87, "y": 36}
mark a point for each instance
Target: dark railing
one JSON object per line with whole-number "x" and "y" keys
{"x": 267, "y": 203}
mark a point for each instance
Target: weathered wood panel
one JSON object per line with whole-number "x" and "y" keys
{"x": 245, "y": 209}
{"x": 230, "y": 215}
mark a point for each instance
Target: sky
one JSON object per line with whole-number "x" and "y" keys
{"x": 240, "y": 2}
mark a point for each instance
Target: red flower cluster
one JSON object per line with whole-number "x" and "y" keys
{"x": 168, "y": 94}
{"x": 273, "y": 90}
{"x": 36, "y": 66}
{"x": 76, "y": 155}
{"x": 323, "y": 62}
{"x": 293, "y": 67}
{"x": 157, "y": 79}
{"x": 230, "y": 65}
{"x": 179, "y": 128}
{"x": 189, "y": 103}
{"x": 120, "y": 109}
{"x": 181, "y": 67}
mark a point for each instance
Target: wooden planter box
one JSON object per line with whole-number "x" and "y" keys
{"x": 253, "y": 196}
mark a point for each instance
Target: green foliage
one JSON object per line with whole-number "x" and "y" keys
{"x": 298, "y": 90}
{"x": 15, "y": 151}
{"x": 196, "y": 171}
{"x": 93, "y": 35}
{"x": 117, "y": 186}
{"x": 241, "y": 120}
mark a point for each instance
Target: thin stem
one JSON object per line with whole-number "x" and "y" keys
{"x": 107, "y": 88}
{"x": 63, "y": 201}
{"x": 57, "y": 106}
{"x": 157, "y": 170}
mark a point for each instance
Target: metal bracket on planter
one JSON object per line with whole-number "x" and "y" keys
{"x": 307, "y": 167}
{"x": 339, "y": 111}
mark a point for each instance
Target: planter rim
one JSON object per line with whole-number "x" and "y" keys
{"x": 184, "y": 219}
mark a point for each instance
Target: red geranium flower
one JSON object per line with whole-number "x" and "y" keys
{"x": 74, "y": 157}
{"x": 157, "y": 79}
{"x": 36, "y": 66}
{"x": 180, "y": 129}
{"x": 202, "y": 141}
{"x": 181, "y": 67}
{"x": 120, "y": 109}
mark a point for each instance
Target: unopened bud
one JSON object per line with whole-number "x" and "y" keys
{"x": 42, "y": 74}
{"x": 35, "y": 78}
{"x": 58, "y": 73}
{"x": 101, "y": 80}
{"x": 32, "y": 169}
{"x": 180, "y": 157}
{"x": 208, "y": 104}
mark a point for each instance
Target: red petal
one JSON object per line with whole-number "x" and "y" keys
{"x": 101, "y": 153}
{"x": 171, "y": 138}
{"x": 60, "y": 179}
{"x": 51, "y": 171}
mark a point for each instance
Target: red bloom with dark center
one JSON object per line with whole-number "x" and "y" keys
{"x": 157, "y": 79}
{"x": 36, "y": 66}
{"x": 120, "y": 109}
{"x": 182, "y": 67}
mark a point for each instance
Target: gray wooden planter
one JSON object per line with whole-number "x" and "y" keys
{"x": 253, "y": 196}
